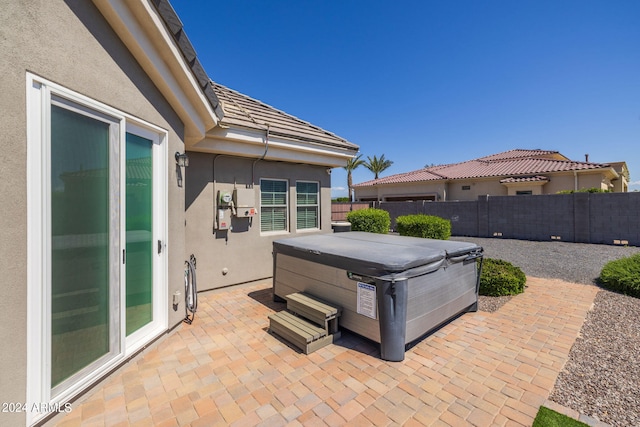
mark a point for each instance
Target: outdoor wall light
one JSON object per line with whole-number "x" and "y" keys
{"x": 182, "y": 160}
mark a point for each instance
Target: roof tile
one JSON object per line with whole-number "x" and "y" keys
{"x": 242, "y": 110}
{"x": 511, "y": 163}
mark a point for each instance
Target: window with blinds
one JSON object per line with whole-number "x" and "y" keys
{"x": 307, "y": 205}
{"x": 273, "y": 205}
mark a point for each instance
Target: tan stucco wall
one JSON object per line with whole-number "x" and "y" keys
{"x": 244, "y": 252}
{"x": 557, "y": 182}
{"x": 567, "y": 181}
{"x": 478, "y": 188}
{"x": 70, "y": 44}
{"x": 409, "y": 189}
{"x": 445, "y": 190}
{"x": 514, "y": 189}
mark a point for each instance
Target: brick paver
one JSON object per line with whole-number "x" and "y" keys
{"x": 482, "y": 369}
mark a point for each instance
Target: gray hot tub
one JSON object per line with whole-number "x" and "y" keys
{"x": 392, "y": 289}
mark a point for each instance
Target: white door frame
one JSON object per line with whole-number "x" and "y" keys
{"x": 39, "y": 399}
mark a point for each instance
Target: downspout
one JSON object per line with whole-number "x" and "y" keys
{"x": 575, "y": 180}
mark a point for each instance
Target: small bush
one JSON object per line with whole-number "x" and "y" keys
{"x": 584, "y": 190}
{"x": 622, "y": 275}
{"x": 501, "y": 278}
{"x": 426, "y": 226}
{"x": 370, "y": 220}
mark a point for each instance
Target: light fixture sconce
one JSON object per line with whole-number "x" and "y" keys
{"x": 182, "y": 160}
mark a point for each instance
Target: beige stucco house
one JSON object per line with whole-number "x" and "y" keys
{"x": 100, "y": 99}
{"x": 514, "y": 172}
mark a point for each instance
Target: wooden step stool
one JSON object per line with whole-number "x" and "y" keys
{"x": 309, "y": 322}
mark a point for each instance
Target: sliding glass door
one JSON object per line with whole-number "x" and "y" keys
{"x": 97, "y": 226}
{"x": 84, "y": 286}
{"x": 139, "y": 232}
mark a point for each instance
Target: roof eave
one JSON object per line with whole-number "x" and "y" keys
{"x": 142, "y": 29}
{"x": 245, "y": 142}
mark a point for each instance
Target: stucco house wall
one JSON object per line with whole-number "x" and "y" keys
{"x": 464, "y": 190}
{"x": 458, "y": 189}
{"x": 242, "y": 253}
{"x": 68, "y": 43}
{"x": 578, "y": 181}
{"x": 442, "y": 190}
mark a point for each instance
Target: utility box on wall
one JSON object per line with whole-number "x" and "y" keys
{"x": 244, "y": 197}
{"x": 223, "y": 214}
{"x": 245, "y": 212}
{"x": 240, "y": 202}
{"x": 224, "y": 219}
{"x": 224, "y": 198}
{"x": 244, "y": 200}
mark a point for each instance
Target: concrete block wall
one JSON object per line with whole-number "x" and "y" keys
{"x": 544, "y": 217}
{"x": 615, "y": 217}
{"x": 604, "y": 218}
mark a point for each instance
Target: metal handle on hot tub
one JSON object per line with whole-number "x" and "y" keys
{"x": 465, "y": 257}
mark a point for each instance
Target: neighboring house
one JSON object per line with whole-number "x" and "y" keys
{"x": 514, "y": 172}
{"x": 97, "y": 217}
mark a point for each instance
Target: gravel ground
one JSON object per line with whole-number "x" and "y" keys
{"x": 571, "y": 262}
{"x": 602, "y": 376}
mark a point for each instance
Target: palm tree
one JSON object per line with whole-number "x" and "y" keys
{"x": 377, "y": 165}
{"x": 352, "y": 164}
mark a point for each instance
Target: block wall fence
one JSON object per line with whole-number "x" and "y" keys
{"x": 603, "y": 218}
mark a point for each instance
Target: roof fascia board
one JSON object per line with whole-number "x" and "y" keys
{"x": 524, "y": 184}
{"x": 277, "y": 150}
{"x": 142, "y": 30}
{"x": 247, "y": 134}
{"x": 613, "y": 172}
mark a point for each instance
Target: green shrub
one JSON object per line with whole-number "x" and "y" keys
{"x": 500, "y": 278}
{"x": 622, "y": 275}
{"x": 584, "y": 190}
{"x": 370, "y": 220}
{"x": 427, "y": 226}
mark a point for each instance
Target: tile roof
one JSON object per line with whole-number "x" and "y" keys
{"x": 537, "y": 178}
{"x": 175, "y": 27}
{"x": 244, "y": 111}
{"x": 520, "y": 154}
{"x": 513, "y": 163}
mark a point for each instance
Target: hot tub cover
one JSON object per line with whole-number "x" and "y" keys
{"x": 381, "y": 256}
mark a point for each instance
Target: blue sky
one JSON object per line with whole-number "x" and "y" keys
{"x": 426, "y": 82}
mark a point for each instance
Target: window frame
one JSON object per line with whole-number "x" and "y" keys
{"x": 273, "y": 206}
{"x": 317, "y": 205}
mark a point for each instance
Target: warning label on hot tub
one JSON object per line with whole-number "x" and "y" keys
{"x": 367, "y": 300}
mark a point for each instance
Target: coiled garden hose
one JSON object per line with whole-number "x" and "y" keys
{"x": 190, "y": 289}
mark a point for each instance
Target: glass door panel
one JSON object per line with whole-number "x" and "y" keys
{"x": 80, "y": 242}
{"x": 139, "y": 226}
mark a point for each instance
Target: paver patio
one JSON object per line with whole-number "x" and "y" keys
{"x": 482, "y": 369}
